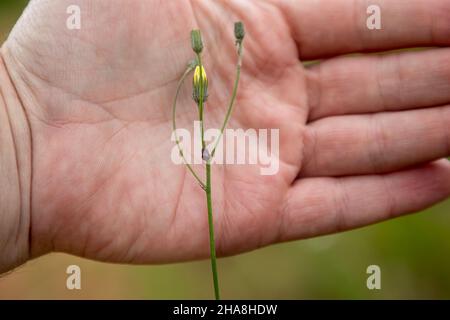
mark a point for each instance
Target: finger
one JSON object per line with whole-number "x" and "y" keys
{"x": 354, "y": 85}
{"x": 316, "y": 206}
{"x": 377, "y": 143}
{"x": 325, "y": 28}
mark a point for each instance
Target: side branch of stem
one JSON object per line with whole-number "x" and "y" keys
{"x": 174, "y": 125}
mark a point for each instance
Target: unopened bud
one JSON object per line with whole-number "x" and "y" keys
{"x": 196, "y": 41}
{"x": 239, "y": 31}
{"x": 200, "y": 81}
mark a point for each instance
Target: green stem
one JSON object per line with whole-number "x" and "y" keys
{"x": 200, "y": 103}
{"x": 174, "y": 125}
{"x": 233, "y": 98}
{"x": 212, "y": 245}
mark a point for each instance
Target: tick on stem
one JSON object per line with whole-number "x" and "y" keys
{"x": 200, "y": 96}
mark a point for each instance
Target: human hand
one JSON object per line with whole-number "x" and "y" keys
{"x": 352, "y": 149}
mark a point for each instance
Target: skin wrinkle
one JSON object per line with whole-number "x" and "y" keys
{"x": 221, "y": 229}
{"x": 400, "y": 78}
{"x": 84, "y": 248}
{"x": 24, "y": 46}
{"x": 284, "y": 214}
{"x": 111, "y": 241}
{"x": 312, "y": 206}
{"x": 128, "y": 256}
{"x": 35, "y": 100}
{"x": 316, "y": 72}
{"x": 440, "y": 185}
{"x": 13, "y": 139}
{"x": 310, "y": 155}
{"x": 383, "y": 101}
{"x": 99, "y": 103}
{"x": 32, "y": 96}
{"x": 50, "y": 123}
{"x": 376, "y": 136}
{"x": 148, "y": 91}
{"x": 102, "y": 251}
{"x": 4, "y": 66}
{"x": 252, "y": 215}
{"x": 90, "y": 200}
{"x": 117, "y": 132}
{"x": 226, "y": 230}
{"x": 342, "y": 204}
{"x": 101, "y": 186}
{"x": 278, "y": 234}
{"x": 390, "y": 203}
{"x": 92, "y": 222}
{"x": 94, "y": 46}
{"x": 314, "y": 152}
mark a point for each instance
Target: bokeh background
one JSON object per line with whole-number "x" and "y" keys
{"x": 413, "y": 253}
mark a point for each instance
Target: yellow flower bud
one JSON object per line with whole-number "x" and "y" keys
{"x": 200, "y": 80}
{"x": 200, "y": 73}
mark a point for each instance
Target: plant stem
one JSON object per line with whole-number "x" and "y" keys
{"x": 200, "y": 102}
{"x": 233, "y": 98}
{"x": 174, "y": 125}
{"x": 200, "y": 85}
{"x": 212, "y": 245}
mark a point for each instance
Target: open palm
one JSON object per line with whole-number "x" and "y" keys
{"x": 99, "y": 105}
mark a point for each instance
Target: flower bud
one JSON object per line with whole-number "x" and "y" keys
{"x": 199, "y": 80}
{"x": 196, "y": 41}
{"x": 239, "y": 31}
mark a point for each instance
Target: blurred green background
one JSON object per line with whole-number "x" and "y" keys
{"x": 413, "y": 253}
